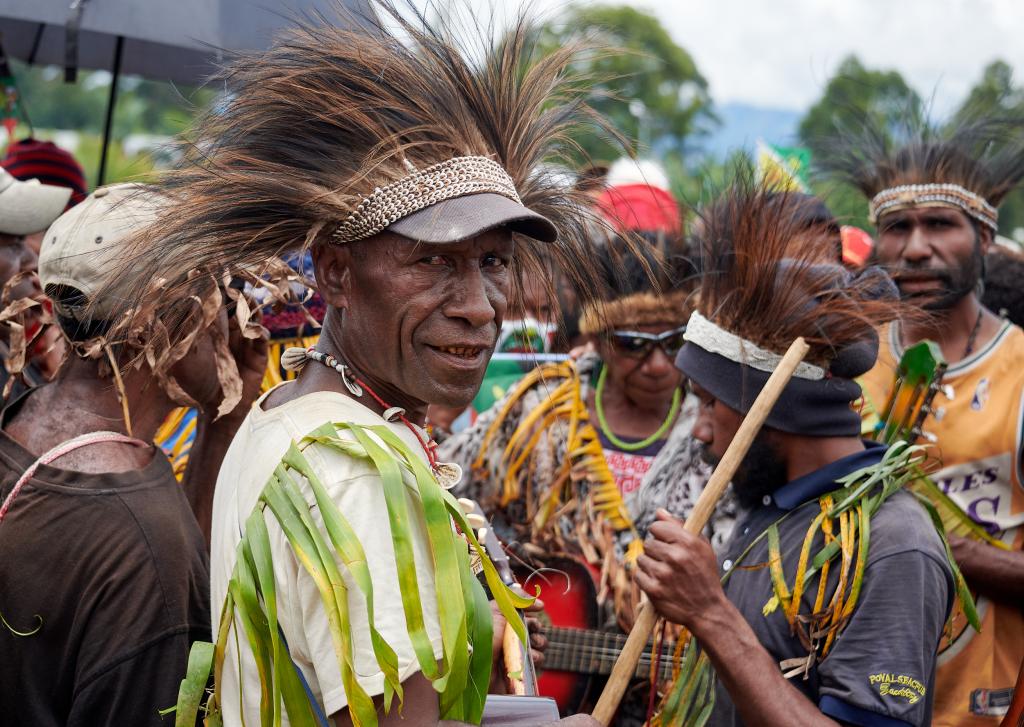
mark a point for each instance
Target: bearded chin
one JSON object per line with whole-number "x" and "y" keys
{"x": 955, "y": 291}
{"x": 957, "y": 284}
{"x": 761, "y": 473}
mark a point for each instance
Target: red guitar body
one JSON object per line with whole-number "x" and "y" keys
{"x": 568, "y": 589}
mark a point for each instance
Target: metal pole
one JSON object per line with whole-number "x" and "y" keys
{"x": 531, "y": 357}
{"x": 111, "y": 103}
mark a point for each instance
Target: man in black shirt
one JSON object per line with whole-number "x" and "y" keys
{"x": 104, "y": 580}
{"x": 852, "y": 642}
{"x": 105, "y": 576}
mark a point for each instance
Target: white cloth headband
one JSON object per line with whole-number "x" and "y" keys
{"x": 934, "y": 195}
{"x": 712, "y": 338}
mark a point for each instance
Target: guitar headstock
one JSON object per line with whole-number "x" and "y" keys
{"x": 918, "y": 378}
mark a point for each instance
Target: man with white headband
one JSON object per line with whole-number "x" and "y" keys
{"x": 827, "y": 603}
{"x": 935, "y": 204}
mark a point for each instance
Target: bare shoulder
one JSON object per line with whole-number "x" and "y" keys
{"x": 97, "y": 458}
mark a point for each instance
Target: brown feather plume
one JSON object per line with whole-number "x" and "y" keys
{"x": 769, "y": 276}
{"x": 980, "y": 150}
{"x": 329, "y": 113}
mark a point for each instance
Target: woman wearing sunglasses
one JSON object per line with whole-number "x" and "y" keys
{"x": 633, "y": 391}
{"x": 550, "y": 463}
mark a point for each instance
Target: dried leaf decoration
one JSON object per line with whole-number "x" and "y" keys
{"x": 844, "y": 520}
{"x": 586, "y": 459}
{"x": 463, "y": 675}
{"x": 581, "y": 488}
{"x": 18, "y": 316}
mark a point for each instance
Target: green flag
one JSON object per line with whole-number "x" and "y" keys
{"x": 784, "y": 167}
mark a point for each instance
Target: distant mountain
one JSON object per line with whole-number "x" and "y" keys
{"x": 743, "y": 124}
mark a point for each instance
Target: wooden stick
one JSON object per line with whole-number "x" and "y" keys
{"x": 625, "y": 665}
{"x": 514, "y": 658}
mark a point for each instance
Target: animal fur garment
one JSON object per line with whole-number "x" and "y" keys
{"x": 638, "y": 309}
{"x": 328, "y": 114}
{"x": 535, "y": 462}
{"x": 675, "y": 480}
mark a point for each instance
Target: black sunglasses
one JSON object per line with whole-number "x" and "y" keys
{"x": 637, "y": 344}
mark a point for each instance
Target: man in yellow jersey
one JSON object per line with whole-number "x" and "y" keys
{"x": 934, "y": 202}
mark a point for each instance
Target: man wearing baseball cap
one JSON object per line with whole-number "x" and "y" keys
{"x": 414, "y": 173}
{"x": 88, "y": 500}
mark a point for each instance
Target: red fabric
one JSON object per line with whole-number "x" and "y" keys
{"x": 857, "y": 245}
{"x": 47, "y": 162}
{"x": 640, "y": 208}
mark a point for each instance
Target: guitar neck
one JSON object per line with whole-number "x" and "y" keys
{"x": 588, "y": 651}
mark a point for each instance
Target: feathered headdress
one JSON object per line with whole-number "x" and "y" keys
{"x": 334, "y": 134}
{"x": 768, "y": 276}
{"x": 969, "y": 164}
{"x": 643, "y": 287}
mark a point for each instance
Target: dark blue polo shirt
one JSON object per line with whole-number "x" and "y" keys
{"x": 881, "y": 669}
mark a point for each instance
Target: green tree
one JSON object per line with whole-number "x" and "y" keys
{"x": 52, "y": 104}
{"x": 997, "y": 95}
{"x": 648, "y": 88}
{"x": 852, "y": 96}
{"x": 143, "y": 107}
{"x": 994, "y": 92}
{"x": 855, "y": 94}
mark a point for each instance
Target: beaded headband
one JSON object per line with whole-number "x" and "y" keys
{"x": 456, "y": 177}
{"x": 715, "y": 339}
{"x": 933, "y": 195}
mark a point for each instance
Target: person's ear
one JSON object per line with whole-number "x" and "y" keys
{"x": 332, "y": 266}
{"x": 985, "y": 237}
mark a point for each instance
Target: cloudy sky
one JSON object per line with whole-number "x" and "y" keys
{"x": 781, "y": 53}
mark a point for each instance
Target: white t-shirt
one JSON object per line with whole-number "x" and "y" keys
{"x": 356, "y": 488}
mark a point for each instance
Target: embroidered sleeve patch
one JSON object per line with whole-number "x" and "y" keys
{"x": 898, "y": 686}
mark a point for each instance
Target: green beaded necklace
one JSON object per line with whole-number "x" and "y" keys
{"x": 634, "y": 446}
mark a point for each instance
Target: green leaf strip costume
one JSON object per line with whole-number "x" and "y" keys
{"x": 461, "y": 679}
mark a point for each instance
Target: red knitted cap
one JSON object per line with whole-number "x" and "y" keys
{"x": 47, "y": 162}
{"x": 641, "y": 208}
